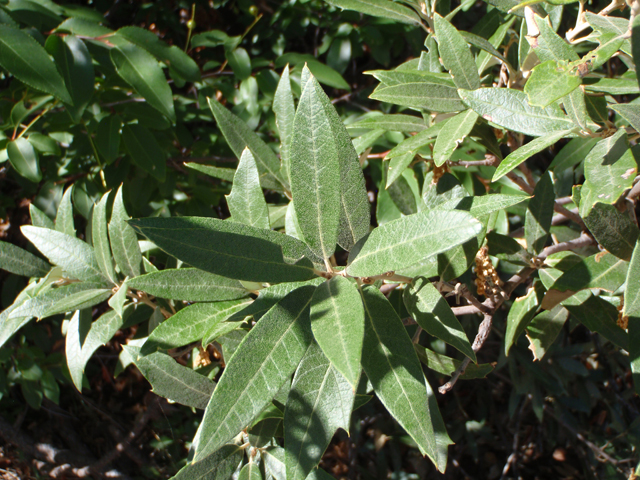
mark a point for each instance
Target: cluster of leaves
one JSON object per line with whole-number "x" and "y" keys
{"x": 309, "y": 309}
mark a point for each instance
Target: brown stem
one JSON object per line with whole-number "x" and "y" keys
{"x": 583, "y": 240}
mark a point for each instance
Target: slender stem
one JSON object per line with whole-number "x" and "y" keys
{"x": 190, "y": 25}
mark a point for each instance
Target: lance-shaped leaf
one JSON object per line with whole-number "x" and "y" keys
{"x": 508, "y": 108}
{"x": 537, "y": 223}
{"x": 572, "y": 153}
{"x": 171, "y": 380}
{"x": 239, "y": 136}
{"x": 124, "y": 242}
{"x": 77, "y": 301}
{"x": 217, "y": 466}
{"x": 100, "y": 238}
{"x": 108, "y": 137}
{"x": 77, "y": 330}
{"x": 319, "y": 402}
{"x": 188, "y": 284}
{"x": 597, "y": 315}
{"x": 392, "y": 366}
{"x": 421, "y": 90}
{"x": 24, "y": 159}
{"x": 456, "y": 55}
{"x": 140, "y": 69}
{"x": 380, "y": 8}
{"x": 64, "y": 215}
{"x": 102, "y": 330}
{"x": 520, "y": 314}
{"x": 410, "y": 240}
{"x": 447, "y": 365}
{"x": 576, "y": 108}
{"x": 397, "y": 166}
{"x": 145, "y": 150}
{"x": 549, "y": 82}
{"x": 630, "y": 112}
{"x": 315, "y": 171}
{"x": 225, "y": 174}
{"x": 631, "y": 310}
{"x": 39, "y": 218}
{"x": 526, "y": 151}
{"x": 16, "y": 260}
{"x": 23, "y": 57}
{"x": 285, "y": 111}
{"x": 546, "y": 43}
{"x": 246, "y": 201}
{"x": 544, "y": 328}
{"x": 264, "y": 360}
{"x": 251, "y": 471}
{"x": 452, "y": 134}
{"x": 191, "y": 324}
{"x": 393, "y": 122}
{"x": 229, "y": 249}
{"x": 76, "y": 257}
{"x": 417, "y": 141}
{"x": 337, "y": 321}
{"x": 483, "y": 205}
{"x": 434, "y": 315}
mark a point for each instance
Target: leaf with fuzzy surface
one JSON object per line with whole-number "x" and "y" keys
{"x": 380, "y": 8}
{"x": 217, "y": 466}
{"x": 246, "y": 201}
{"x": 16, "y": 260}
{"x": 456, "y": 55}
{"x": 123, "y": 239}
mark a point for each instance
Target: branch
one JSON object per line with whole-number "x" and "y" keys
{"x": 583, "y": 240}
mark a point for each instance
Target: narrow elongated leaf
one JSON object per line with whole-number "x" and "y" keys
{"x": 171, "y": 380}
{"x": 217, "y": 466}
{"x": 108, "y": 137}
{"x": 145, "y": 150}
{"x": 452, "y": 134}
{"x": 537, "y": 223}
{"x": 549, "y": 82}
{"x": 337, "y": 321}
{"x": 315, "y": 171}
{"x": 572, "y": 153}
{"x": 597, "y": 315}
{"x": 481, "y": 206}
{"x": 225, "y": 174}
{"x": 76, "y": 257}
{"x": 101, "y": 331}
{"x": 320, "y": 402}
{"x": 576, "y": 108}
{"x": 23, "y": 57}
{"x": 456, "y": 55}
{"x": 410, "y": 240}
{"x": 526, "y": 151}
{"x": 39, "y": 218}
{"x": 397, "y": 166}
{"x": 548, "y": 45}
{"x": 16, "y": 260}
{"x": 509, "y": 109}
{"x": 246, "y": 201}
{"x": 631, "y": 310}
{"x": 229, "y": 249}
{"x": 191, "y": 324}
{"x": 124, "y": 242}
{"x": 100, "y": 238}
{"x": 24, "y": 158}
{"x": 188, "y": 284}
{"x": 37, "y": 306}
{"x": 392, "y": 366}
{"x": 239, "y": 136}
{"x": 544, "y": 328}
{"x": 77, "y": 330}
{"x": 77, "y": 301}
{"x": 380, "y": 8}
{"x": 630, "y": 112}
{"x": 420, "y": 93}
{"x": 139, "y": 69}
{"x": 447, "y": 365}
{"x": 520, "y": 314}
{"x": 392, "y": 122}
{"x": 64, "y": 215}
{"x": 267, "y": 356}
{"x": 285, "y": 111}
{"x": 432, "y": 312}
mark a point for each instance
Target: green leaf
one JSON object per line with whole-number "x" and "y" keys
{"x": 217, "y": 466}
{"x": 284, "y": 110}
{"x": 101, "y": 331}
{"x": 188, "y": 284}
{"x": 77, "y": 301}
{"x": 145, "y": 150}
{"x": 64, "y": 215}
{"x": 337, "y": 321}
{"x": 50, "y": 299}
{"x": 409, "y": 240}
{"x": 23, "y": 57}
{"x": 397, "y": 166}
{"x": 549, "y": 82}
{"x": 77, "y": 331}
{"x": 74, "y": 62}
{"x": 432, "y": 312}
{"x": 630, "y": 112}
{"x": 483, "y": 205}
{"x": 16, "y": 260}
{"x": 171, "y": 380}
{"x": 602, "y": 270}
{"x": 417, "y": 141}
{"x": 576, "y": 107}
{"x": 239, "y": 136}
{"x": 548, "y": 45}
{"x": 171, "y": 55}
{"x": 631, "y": 310}
{"x": 537, "y": 223}
{"x": 76, "y": 257}
{"x": 108, "y": 137}
{"x": 267, "y": 356}
{"x": 380, "y": 8}
{"x": 100, "y": 238}
{"x": 508, "y": 108}
{"x": 39, "y": 218}
{"x": 613, "y": 229}
{"x": 572, "y": 153}
{"x": 452, "y": 134}
{"x": 191, "y": 324}
{"x": 225, "y": 174}
{"x": 544, "y": 328}
{"x": 320, "y": 402}
{"x": 315, "y": 170}
{"x": 124, "y": 242}
{"x": 246, "y": 201}
{"x": 597, "y": 315}
{"x": 140, "y": 69}
{"x": 24, "y": 158}
{"x": 392, "y": 122}
{"x": 612, "y": 86}
{"x": 456, "y": 55}
{"x": 520, "y": 315}
{"x": 229, "y": 249}
{"x": 447, "y": 365}
{"x": 239, "y": 62}
{"x": 526, "y": 151}
{"x": 391, "y": 364}
{"x": 251, "y": 471}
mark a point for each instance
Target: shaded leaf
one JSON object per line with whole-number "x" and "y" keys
{"x": 124, "y": 242}
{"x": 108, "y": 137}
{"x": 217, "y": 466}
{"x": 447, "y": 365}
{"x": 380, "y": 8}
{"x": 24, "y": 158}
{"x": 601, "y": 270}
{"x": 544, "y": 328}
{"x": 100, "y": 238}
{"x": 225, "y": 174}
{"x": 64, "y": 215}
{"x": 145, "y": 150}
{"x": 520, "y": 315}
{"x": 597, "y": 315}
{"x": 537, "y": 223}
{"x": 613, "y": 229}
{"x": 631, "y": 310}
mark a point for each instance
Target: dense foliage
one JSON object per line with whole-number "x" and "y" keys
{"x": 299, "y": 267}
